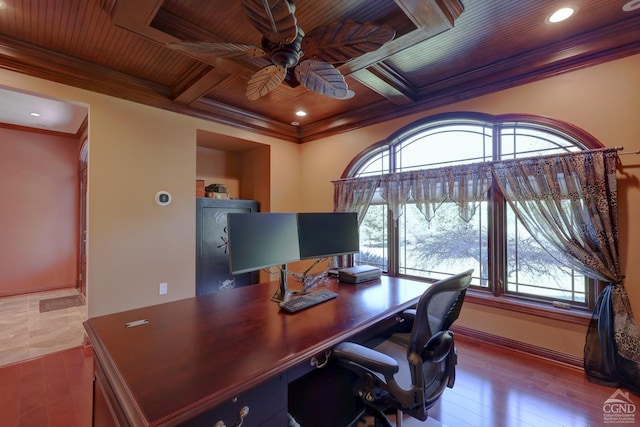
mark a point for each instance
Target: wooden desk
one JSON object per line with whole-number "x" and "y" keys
{"x": 200, "y": 353}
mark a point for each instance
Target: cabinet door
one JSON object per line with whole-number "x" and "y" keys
{"x": 212, "y": 259}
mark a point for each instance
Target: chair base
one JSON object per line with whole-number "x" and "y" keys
{"x": 379, "y": 418}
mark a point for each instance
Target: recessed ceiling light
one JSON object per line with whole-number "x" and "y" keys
{"x": 3, "y": 4}
{"x": 561, "y": 14}
{"x": 631, "y": 5}
{"x": 295, "y": 123}
{"x": 34, "y": 114}
{"x": 301, "y": 113}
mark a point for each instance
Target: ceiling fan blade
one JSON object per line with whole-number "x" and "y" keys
{"x": 208, "y": 52}
{"x": 344, "y": 40}
{"x": 264, "y": 81}
{"x": 274, "y": 19}
{"x": 322, "y": 78}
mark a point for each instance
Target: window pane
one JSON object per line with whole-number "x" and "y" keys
{"x": 531, "y": 270}
{"x": 445, "y": 146}
{"x": 523, "y": 141}
{"x": 447, "y": 245}
{"x": 373, "y": 238}
{"x": 375, "y": 165}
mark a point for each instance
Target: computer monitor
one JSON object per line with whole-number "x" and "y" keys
{"x": 327, "y": 234}
{"x": 261, "y": 240}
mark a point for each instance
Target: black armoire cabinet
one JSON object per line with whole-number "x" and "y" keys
{"x": 212, "y": 259}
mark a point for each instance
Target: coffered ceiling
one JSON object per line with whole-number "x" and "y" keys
{"x": 443, "y": 51}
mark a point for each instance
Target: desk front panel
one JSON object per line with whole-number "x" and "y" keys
{"x": 197, "y": 353}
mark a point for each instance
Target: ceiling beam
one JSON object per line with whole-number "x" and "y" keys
{"x": 429, "y": 13}
{"x": 136, "y": 16}
{"x": 430, "y": 17}
{"x": 387, "y": 83}
{"x": 201, "y": 81}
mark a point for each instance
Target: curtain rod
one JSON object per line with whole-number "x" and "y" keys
{"x": 626, "y": 153}
{"x": 482, "y": 164}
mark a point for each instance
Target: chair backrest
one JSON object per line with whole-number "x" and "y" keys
{"x": 437, "y": 309}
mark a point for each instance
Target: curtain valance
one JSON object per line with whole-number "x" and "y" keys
{"x": 465, "y": 185}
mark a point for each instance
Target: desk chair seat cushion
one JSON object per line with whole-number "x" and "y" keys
{"x": 383, "y": 362}
{"x": 386, "y": 359}
{"x": 399, "y": 353}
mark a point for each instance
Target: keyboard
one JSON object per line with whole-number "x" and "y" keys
{"x": 307, "y": 300}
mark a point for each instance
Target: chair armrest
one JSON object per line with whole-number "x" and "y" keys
{"x": 438, "y": 347}
{"x": 366, "y": 357}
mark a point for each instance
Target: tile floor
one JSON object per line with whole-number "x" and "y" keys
{"x": 25, "y": 333}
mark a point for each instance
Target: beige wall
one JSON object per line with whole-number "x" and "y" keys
{"x": 135, "y": 244}
{"x": 137, "y": 150}
{"x": 38, "y": 211}
{"x": 603, "y": 100}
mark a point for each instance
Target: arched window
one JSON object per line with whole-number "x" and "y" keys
{"x": 507, "y": 261}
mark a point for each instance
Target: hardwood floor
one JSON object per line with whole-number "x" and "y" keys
{"x": 499, "y": 387}
{"x": 53, "y": 390}
{"x": 494, "y": 387}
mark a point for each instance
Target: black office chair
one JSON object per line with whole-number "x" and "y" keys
{"x": 409, "y": 368}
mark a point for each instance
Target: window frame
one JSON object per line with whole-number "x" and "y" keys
{"x": 495, "y": 295}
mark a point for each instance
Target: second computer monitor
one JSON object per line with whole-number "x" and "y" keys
{"x": 326, "y": 234}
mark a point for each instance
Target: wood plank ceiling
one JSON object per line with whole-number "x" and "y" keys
{"x": 443, "y": 51}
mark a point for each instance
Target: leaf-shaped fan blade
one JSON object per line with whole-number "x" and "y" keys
{"x": 208, "y": 52}
{"x": 264, "y": 81}
{"x": 342, "y": 41}
{"x": 322, "y": 78}
{"x": 274, "y": 19}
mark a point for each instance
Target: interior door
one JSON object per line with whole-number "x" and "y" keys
{"x": 82, "y": 223}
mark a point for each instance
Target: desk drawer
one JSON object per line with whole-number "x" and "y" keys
{"x": 312, "y": 364}
{"x": 266, "y": 404}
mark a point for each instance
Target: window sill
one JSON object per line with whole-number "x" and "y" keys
{"x": 581, "y": 317}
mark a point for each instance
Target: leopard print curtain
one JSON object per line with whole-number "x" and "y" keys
{"x": 569, "y": 201}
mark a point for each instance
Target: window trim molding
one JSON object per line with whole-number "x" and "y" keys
{"x": 509, "y": 303}
{"x": 497, "y": 299}
{"x": 579, "y": 316}
{"x": 572, "y": 131}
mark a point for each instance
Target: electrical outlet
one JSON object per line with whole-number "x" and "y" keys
{"x": 162, "y": 289}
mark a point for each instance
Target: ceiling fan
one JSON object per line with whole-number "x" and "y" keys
{"x": 309, "y": 57}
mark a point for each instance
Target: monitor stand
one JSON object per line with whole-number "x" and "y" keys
{"x": 282, "y": 294}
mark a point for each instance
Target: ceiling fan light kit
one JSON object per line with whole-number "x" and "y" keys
{"x": 311, "y": 58}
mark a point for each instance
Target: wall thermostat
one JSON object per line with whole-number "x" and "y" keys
{"x": 163, "y": 198}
